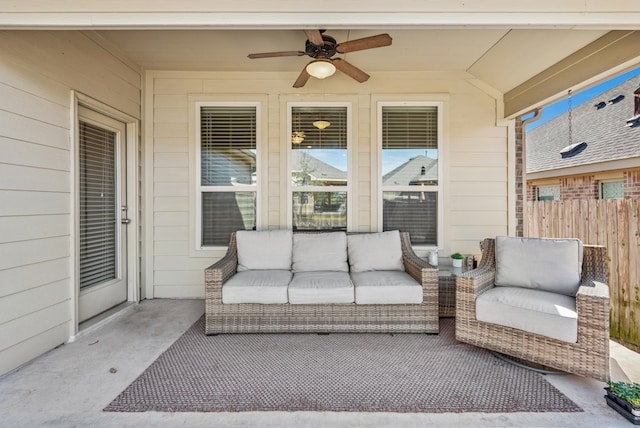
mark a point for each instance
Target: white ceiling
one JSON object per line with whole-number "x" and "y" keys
{"x": 501, "y": 57}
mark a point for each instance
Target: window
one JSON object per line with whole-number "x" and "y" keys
{"x": 318, "y": 162}
{"x": 227, "y": 180}
{"x": 612, "y": 190}
{"x": 548, "y": 193}
{"x": 410, "y": 138}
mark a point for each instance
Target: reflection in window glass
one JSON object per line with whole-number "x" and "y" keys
{"x": 410, "y": 145}
{"x": 612, "y": 189}
{"x": 309, "y": 169}
{"x": 410, "y": 136}
{"x": 319, "y": 146}
{"x": 320, "y": 210}
{"x": 548, "y": 193}
{"x": 319, "y": 167}
{"x": 413, "y": 212}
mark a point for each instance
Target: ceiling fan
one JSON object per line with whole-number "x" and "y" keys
{"x": 322, "y": 48}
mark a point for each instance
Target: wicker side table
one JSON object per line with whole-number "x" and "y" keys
{"x": 447, "y": 294}
{"x": 447, "y": 288}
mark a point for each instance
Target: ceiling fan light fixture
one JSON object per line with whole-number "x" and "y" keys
{"x": 321, "y": 124}
{"x": 321, "y": 68}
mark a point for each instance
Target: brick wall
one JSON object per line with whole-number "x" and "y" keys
{"x": 531, "y": 192}
{"x": 588, "y": 187}
{"x": 579, "y": 187}
{"x": 632, "y": 184}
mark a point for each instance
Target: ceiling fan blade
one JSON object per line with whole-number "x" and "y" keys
{"x": 315, "y": 37}
{"x": 365, "y": 43}
{"x": 350, "y": 70}
{"x": 275, "y": 54}
{"x": 302, "y": 78}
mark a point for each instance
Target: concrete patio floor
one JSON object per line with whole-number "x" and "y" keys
{"x": 70, "y": 385}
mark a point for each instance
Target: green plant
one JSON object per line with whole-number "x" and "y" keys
{"x": 627, "y": 391}
{"x": 457, "y": 256}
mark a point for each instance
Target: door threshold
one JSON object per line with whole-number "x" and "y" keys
{"x": 105, "y": 317}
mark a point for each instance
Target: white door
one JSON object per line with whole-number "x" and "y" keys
{"x": 102, "y": 213}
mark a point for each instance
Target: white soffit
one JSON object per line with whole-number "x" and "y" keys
{"x": 522, "y": 54}
{"x": 226, "y": 50}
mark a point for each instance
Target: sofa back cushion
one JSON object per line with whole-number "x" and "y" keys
{"x": 314, "y": 252}
{"x": 553, "y": 265}
{"x": 375, "y": 251}
{"x": 268, "y": 249}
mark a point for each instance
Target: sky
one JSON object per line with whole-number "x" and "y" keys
{"x": 577, "y": 98}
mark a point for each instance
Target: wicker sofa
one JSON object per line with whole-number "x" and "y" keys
{"x": 585, "y": 351}
{"x": 321, "y": 317}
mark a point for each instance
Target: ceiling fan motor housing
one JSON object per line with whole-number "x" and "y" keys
{"x": 327, "y": 50}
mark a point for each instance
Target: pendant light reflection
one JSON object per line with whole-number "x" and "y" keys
{"x": 321, "y": 124}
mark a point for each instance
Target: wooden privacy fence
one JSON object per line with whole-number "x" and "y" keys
{"x": 612, "y": 223}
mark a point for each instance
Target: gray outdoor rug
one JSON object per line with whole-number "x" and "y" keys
{"x": 407, "y": 373}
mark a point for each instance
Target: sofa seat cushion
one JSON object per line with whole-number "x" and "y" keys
{"x": 375, "y": 251}
{"x": 386, "y": 287}
{"x": 257, "y": 286}
{"x": 536, "y": 311}
{"x": 320, "y": 287}
{"x": 553, "y": 265}
{"x": 266, "y": 249}
{"x": 320, "y": 252}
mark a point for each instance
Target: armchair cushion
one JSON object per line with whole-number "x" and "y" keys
{"x": 375, "y": 251}
{"x": 262, "y": 250}
{"x": 553, "y": 265}
{"x": 549, "y": 314}
{"x": 320, "y": 252}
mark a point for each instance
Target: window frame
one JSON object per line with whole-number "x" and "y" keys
{"x": 348, "y": 188}
{"x": 199, "y": 189}
{"x": 439, "y": 188}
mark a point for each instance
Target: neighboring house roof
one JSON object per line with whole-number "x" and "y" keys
{"x": 417, "y": 170}
{"x": 318, "y": 170}
{"x": 600, "y": 122}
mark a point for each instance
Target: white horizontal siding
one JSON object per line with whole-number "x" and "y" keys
{"x": 33, "y": 227}
{"x": 33, "y": 130}
{"x": 33, "y": 203}
{"x": 17, "y": 177}
{"x": 23, "y": 278}
{"x": 475, "y": 160}
{"x": 22, "y": 253}
{"x": 35, "y": 346}
{"x": 38, "y": 71}
{"x": 23, "y": 153}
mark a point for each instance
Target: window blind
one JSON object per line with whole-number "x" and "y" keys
{"x": 405, "y": 127}
{"x": 98, "y": 215}
{"x": 227, "y": 143}
{"x": 413, "y": 212}
{"x": 333, "y": 136}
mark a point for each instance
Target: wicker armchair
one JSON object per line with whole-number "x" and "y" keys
{"x": 589, "y": 356}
